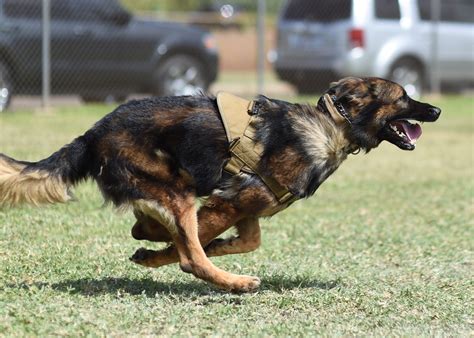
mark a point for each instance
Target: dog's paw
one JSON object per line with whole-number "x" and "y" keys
{"x": 246, "y": 284}
{"x": 141, "y": 256}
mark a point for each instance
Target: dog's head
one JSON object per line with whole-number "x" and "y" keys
{"x": 378, "y": 110}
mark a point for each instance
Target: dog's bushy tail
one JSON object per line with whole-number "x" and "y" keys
{"x": 45, "y": 181}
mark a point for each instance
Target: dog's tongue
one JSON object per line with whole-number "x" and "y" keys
{"x": 412, "y": 130}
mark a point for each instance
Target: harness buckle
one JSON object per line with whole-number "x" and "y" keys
{"x": 252, "y": 109}
{"x": 233, "y": 143}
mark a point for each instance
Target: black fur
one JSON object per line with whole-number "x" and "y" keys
{"x": 120, "y": 150}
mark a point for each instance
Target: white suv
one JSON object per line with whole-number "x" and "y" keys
{"x": 319, "y": 41}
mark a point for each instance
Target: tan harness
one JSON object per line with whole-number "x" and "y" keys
{"x": 239, "y": 121}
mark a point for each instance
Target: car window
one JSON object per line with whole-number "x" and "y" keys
{"x": 31, "y": 9}
{"x": 424, "y": 8}
{"x": 322, "y": 10}
{"x": 93, "y": 10}
{"x": 60, "y": 10}
{"x": 457, "y": 11}
{"x": 84, "y": 11}
{"x": 450, "y": 11}
{"x": 387, "y": 9}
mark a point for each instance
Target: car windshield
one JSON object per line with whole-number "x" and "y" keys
{"x": 321, "y": 10}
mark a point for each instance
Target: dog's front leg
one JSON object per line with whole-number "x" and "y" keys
{"x": 187, "y": 244}
{"x": 248, "y": 239}
{"x": 188, "y": 248}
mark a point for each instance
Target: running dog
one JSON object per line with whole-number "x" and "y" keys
{"x": 160, "y": 155}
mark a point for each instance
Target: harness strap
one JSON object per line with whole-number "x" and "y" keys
{"x": 235, "y": 114}
{"x": 245, "y": 157}
{"x": 339, "y": 115}
{"x": 239, "y": 117}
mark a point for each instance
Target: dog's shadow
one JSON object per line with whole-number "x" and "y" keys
{"x": 152, "y": 288}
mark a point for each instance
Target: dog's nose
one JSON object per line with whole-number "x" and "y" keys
{"x": 434, "y": 112}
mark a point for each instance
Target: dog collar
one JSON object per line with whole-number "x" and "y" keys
{"x": 336, "y": 109}
{"x": 339, "y": 114}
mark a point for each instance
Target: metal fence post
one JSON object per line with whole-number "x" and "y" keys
{"x": 435, "y": 18}
{"x": 46, "y": 54}
{"x": 261, "y": 46}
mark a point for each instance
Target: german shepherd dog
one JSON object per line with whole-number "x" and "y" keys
{"x": 160, "y": 155}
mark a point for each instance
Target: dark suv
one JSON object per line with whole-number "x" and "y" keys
{"x": 99, "y": 51}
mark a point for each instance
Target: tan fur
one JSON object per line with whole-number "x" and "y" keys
{"x": 283, "y": 173}
{"x": 157, "y": 212}
{"x": 33, "y": 187}
{"x": 324, "y": 140}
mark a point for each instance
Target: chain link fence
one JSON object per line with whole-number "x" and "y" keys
{"x": 108, "y": 50}
{"x": 420, "y": 44}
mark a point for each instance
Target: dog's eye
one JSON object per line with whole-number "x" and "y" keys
{"x": 403, "y": 98}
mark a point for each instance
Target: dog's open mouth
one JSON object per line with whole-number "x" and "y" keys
{"x": 403, "y": 133}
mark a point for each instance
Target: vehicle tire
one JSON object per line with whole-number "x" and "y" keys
{"x": 180, "y": 74}
{"x": 408, "y": 73}
{"x": 5, "y": 87}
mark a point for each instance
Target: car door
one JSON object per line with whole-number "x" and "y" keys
{"x": 130, "y": 42}
{"x": 83, "y": 52}
{"x": 456, "y": 40}
{"x": 86, "y": 51}
{"x": 20, "y": 29}
{"x": 66, "y": 56}
{"x": 312, "y": 35}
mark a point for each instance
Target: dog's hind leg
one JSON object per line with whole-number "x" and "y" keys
{"x": 163, "y": 217}
{"x": 248, "y": 239}
{"x": 187, "y": 243}
{"x": 214, "y": 218}
{"x": 191, "y": 254}
{"x": 149, "y": 228}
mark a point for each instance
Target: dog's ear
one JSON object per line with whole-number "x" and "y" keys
{"x": 345, "y": 86}
{"x": 265, "y": 103}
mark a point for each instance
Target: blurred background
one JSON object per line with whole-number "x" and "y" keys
{"x": 55, "y": 52}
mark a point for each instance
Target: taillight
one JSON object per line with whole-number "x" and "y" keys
{"x": 356, "y": 38}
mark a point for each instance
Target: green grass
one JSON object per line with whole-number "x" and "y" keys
{"x": 383, "y": 248}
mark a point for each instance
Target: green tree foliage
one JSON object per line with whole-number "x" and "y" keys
{"x": 192, "y": 5}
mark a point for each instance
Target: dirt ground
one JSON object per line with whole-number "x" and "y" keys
{"x": 238, "y": 49}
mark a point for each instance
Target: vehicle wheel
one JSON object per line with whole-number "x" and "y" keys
{"x": 409, "y": 74}
{"x": 5, "y": 87}
{"x": 180, "y": 75}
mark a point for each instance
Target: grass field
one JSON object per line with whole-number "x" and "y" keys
{"x": 385, "y": 247}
